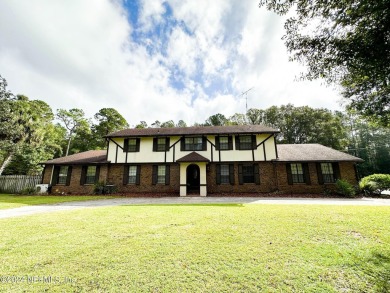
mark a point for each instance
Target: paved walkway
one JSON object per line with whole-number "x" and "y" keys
{"x": 66, "y": 206}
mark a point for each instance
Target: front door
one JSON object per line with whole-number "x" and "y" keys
{"x": 193, "y": 179}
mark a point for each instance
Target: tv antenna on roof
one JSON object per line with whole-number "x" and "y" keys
{"x": 246, "y": 98}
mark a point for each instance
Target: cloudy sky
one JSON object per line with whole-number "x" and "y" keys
{"x": 151, "y": 60}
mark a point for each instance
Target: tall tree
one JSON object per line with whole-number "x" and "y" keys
{"x": 344, "y": 42}
{"x": 73, "y": 120}
{"x": 168, "y": 124}
{"x": 181, "y": 123}
{"x": 216, "y": 120}
{"x": 108, "y": 120}
{"x": 24, "y": 125}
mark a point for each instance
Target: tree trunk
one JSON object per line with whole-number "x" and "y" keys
{"x": 5, "y": 163}
{"x": 67, "y": 148}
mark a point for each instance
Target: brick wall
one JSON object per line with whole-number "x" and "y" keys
{"x": 267, "y": 181}
{"x": 273, "y": 177}
{"x": 74, "y": 186}
{"x": 116, "y": 177}
{"x": 347, "y": 172}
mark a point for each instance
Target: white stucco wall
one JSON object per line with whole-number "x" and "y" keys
{"x": 146, "y": 154}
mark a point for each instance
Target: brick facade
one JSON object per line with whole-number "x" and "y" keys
{"x": 116, "y": 177}
{"x": 267, "y": 180}
{"x": 273, "y": 178}
{"x": 347, "y": 172}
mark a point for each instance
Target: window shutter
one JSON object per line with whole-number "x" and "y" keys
{"x": 125, "y": 174}
{"x": 182, "y": 144}
{"x": 231, "y": 174}
{"x": 167, "y": 144}
{"x": 167, "y": 174}
{"x": 126, "y": 145}
{"x": 230, "y": 142}
{"x": 218, "y": 174}
{"x": 56, "y": 173}
{"x": 204, "y": 143}
{"x": 83, "y": 175}
{"x": 336, "y": 171}
{"x": 256, "y": 173}
{"x": 138, "y": 176}
{"x": 154, "y": 175}
{"x": 289, "y": 174}
{"x": 306, "y": 173}
{"x": 97, "y": 174}
{"x": 319, "y": 174}
{"x": 138, "y": 141}
{"x": 68, "y": 176}
{"x": 240, "y": 177}
{"x": 254, "y": 143}
{"x": 237, "y": 143}
{"x": 217, "y": 143}
{"x": 155, "y": 144}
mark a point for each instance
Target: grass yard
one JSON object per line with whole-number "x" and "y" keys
{"x": 8, "y": 201}
{"x": 198, "y": 248}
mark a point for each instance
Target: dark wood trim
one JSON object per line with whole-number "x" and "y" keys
{"x": 264, "y": 152}
{"x": 276, "y": 148}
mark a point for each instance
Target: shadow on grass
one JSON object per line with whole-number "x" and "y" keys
{"x": 232, "y": 205}
{"x": 377, "y": 267}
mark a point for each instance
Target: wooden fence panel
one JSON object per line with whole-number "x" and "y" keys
{"x": 16, "y": 183}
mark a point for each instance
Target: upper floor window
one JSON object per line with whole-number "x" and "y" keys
{"x": 197, "y": 143}
{"x": 131, "y": 145}
{"x": 245, "y": 142}
{"x": 223, "y": 143}
{"x": 160, "y": 144}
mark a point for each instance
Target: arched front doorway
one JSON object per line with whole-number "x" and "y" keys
{"x": 193, "y": 179}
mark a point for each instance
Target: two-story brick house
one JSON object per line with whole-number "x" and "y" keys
{"x": 201, "y": 160}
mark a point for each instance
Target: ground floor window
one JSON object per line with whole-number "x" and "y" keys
{"x": 160, "y": 174}
{"x": 248, "y": 173}
{"x": 225, "y": 174}
{"x": 131, "y": 174}
{"x": 62, "y": 175}
{"x": 327, "y": 173}
{"x": 89, "y": 175}
{"x": 297, "y": 173}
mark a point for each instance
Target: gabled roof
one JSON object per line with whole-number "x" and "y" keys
{"x": 196, "y": 130}
{"x": 312, "y": 153}
{"x": 88, "y": 157}
{"x": 193, "y": 157}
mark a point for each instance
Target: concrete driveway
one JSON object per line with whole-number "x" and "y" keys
{"x": 66, "y": 206}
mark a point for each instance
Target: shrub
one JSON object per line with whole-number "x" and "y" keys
{"x": 343, "y": 187}
{"x": 375, "y": 183}
{"x": 28, "y": 191}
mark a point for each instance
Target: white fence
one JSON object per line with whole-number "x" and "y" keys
{"x": 16, "y": 183}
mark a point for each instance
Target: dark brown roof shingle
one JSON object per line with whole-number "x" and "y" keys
{"x": 196, "y": 130}
{"x": 193, "y": 157}
{"x": 88, "y": 157}
{"x": 312, "y": 153}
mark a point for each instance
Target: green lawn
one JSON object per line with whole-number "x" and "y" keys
{"x": 8, "y": 201}
{"x": 199, "y": 248}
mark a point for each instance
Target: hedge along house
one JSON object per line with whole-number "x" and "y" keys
{"x": 202, "y": 160}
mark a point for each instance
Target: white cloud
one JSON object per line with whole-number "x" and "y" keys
{"x": 80, "y": 54}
